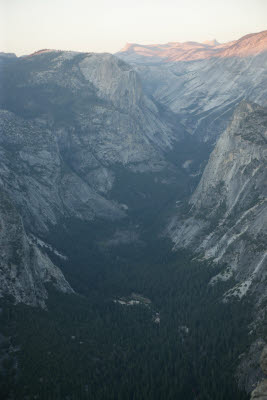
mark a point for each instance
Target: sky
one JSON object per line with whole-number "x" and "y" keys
{"x": 106, "y": 25}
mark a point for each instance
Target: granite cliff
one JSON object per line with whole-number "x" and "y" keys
{"x": 225, "y": 223}
{"x": 87, "y": 137}
{"x": 203, "y": 83}
{"x": 24, "y": 268}
{"x": 226, "y": 220}
{"x": 73, "y": 117}
{"x": 70, "y": 123}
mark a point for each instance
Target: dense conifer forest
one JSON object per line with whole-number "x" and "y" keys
{"x": 181, "y": 342}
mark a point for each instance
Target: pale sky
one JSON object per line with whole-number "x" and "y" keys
{"x": 106, "y": 25}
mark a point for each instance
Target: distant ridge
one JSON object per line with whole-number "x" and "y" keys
{"x": 248, "y": 45}
{"x": 213, "y": 42}
{"x": 40, "y": 52}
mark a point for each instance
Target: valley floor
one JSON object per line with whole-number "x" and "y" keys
{"x": 87, "y": 346}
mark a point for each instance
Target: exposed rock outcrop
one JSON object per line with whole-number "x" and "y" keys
{"x": 68, "y": 118}
{"x": 24, "y": 268}
{"x": 68, "y": 123}
{"x": 248, "y": 372}
{"x": 203, "y": 84}
{"x": 260, "y": 393}
{"x": 227, "y": 220}
{"x": 263, "y": 360}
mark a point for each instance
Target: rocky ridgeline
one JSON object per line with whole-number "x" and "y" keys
{"x": 248, "y": 45}
{"x": 201, "y": 83}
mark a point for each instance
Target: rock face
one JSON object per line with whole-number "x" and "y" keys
{"x": 248, "y": 372}
{"x": 74, "y": 116}
{"x": 40, "y": 181}
{"x": 68, "y": 123}
{"x": 260, "y": 392}
{"x": 24, "y": 268}
{"x": 263, "y": 360}
{"x": 203, "y": 84}
{"x": 227, "y": 220}
{"x": 72, "y": 124}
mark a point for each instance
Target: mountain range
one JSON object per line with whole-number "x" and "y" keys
{"x": 203, "y": 89}
{"x": 115, "y": 167}
{"x": 249, "y": 45}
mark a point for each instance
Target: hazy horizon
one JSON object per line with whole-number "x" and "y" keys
{"x": 81, "y": 25}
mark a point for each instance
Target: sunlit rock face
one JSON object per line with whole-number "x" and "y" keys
{"x": 249, "y": 45}
{"x": 227, "y": 217}
{"x": 203, "y": 83}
